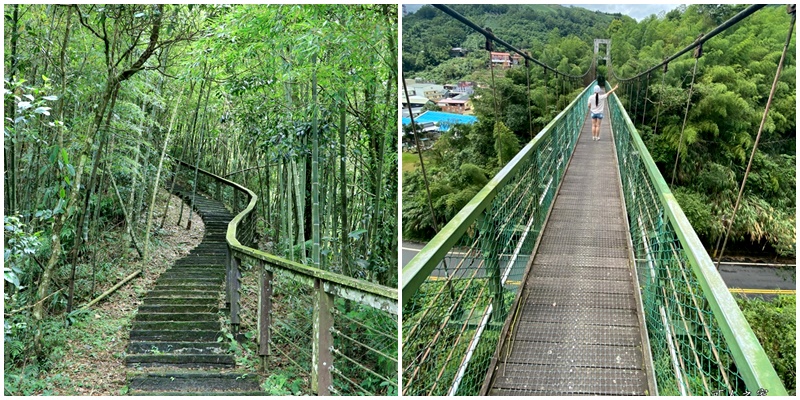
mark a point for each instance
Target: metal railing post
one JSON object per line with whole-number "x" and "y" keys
{"x": 264, "y": 313}
{"x": 322, "y": 359}
{"x": 233, "y": 286}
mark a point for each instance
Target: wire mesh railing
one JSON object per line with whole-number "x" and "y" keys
{"x": 701, "y": 343}
{"x": 338, "y": 332}
{"x": 458, "y": 289}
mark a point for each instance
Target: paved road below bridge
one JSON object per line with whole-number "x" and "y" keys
{"x": 752, "y": 279}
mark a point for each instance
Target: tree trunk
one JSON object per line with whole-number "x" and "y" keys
{"x": 155, "y": 189}
{"x": 315, "y": 228}
{"x": 343, "y": 179}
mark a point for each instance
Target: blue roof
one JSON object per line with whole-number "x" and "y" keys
{"x": 442, "y": 118}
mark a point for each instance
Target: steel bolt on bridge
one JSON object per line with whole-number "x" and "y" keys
{"x": 574, "y": 271}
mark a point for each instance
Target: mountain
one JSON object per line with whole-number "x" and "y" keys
{"x": 429, "y": 34}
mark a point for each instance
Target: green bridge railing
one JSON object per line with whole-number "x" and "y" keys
{"x": 457, "y": 291}
{"x": 701, "y": 343}
{"x": 340, "y": 332}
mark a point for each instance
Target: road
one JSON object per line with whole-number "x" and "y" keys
{"x": 751, "y": 279}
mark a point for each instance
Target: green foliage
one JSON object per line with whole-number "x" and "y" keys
{"x": 19, "y": 247}
{"x": 281, "y": 385}
{"x": 775, "y": 325}
{"x": 506, "y": 145}
{"x": 733, "y": 81}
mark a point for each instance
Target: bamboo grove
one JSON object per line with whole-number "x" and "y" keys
{"x": 295, "y": 102}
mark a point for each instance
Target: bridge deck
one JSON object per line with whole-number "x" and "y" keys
{"x": 578, "y": 330}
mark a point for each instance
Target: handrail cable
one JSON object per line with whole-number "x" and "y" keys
{"x": 702, "y": 39}
{"x": 490, "y": 36}
{"x": 791, "y": 10}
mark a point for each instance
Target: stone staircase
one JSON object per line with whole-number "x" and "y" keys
{"x": 178, "y": 325}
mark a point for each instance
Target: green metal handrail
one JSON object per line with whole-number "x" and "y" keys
{"x": 694, "y": 324}
{"x": 458, "y": 288}
{"x": 330, "y": 328}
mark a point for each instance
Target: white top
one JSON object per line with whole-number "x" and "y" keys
{"x": 598, "y": 107}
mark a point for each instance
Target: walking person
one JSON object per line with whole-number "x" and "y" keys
{"x": 597, "y": 104}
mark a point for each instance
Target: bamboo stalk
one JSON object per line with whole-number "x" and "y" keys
{"x": 112, "y": 290}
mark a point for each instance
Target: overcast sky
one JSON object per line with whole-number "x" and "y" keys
{"x": 635, "y": 11}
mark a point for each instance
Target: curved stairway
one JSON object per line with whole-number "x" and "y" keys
{"x": 178, "y": 329}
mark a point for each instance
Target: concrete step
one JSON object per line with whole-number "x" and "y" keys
{"x": 198, "y": 267}
{"x": 233, "y": 394}
{"x": 145, "y": 317}
{"x": 181, "y": 360}
{"x": 198, "y": 260}
{"x": 175, "y": 335}
{"x": 189, "y": 281}
{"x": 165, "y": 308}
{"x": 147, "y": 347}
{"x": 194, "y": 382}
{"x": 204, "y": 293}
{"x": 178, "y": 301}
{"x": 186, "y": 326}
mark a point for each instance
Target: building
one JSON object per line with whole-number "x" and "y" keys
{"x": 458, "y": 52}
{"x": 464, "y": 87}
{"x": 505, "y": 60}
{"x": 417, "y": 105}
{"x": 460, "y": 104}
{"x": 429, "y": 90}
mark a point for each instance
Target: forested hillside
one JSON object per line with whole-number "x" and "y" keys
{"x": 297, "y": 103}
{"x": 551, "y": 32}
{"x": 733, "y": 80}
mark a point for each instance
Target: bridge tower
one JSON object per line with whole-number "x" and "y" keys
{"x": 597, "y": 57}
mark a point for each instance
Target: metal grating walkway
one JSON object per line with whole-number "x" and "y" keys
{"x": 578, "y": 329}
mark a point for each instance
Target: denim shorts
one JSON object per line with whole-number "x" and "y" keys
{"x": 597, "y": 116}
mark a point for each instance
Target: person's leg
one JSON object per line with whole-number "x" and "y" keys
{"x": 599, "y": 123}
{"x": 595, "y": 128}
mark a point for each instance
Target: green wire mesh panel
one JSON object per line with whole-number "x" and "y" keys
{"x": 364, "y": 350}
{"x": 690, "y": 352}
{"x": 452, "y": 320}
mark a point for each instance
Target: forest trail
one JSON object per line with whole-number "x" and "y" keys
{"x": 177, "y": 329}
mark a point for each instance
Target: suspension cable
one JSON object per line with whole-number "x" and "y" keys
{"x": 661, "y": 99}
{"x": 490, "y": 36}
{"x": 703, "y": 38}
{"x": 528, "y": 78}
{"x": 490, "y": 48}
{"x": 419, "y": 151}
{"x": 791, "y": 10}
{"x": 646, "y": 92}
{"x": 698, "y": 52}
{"x": 546, "y": 90}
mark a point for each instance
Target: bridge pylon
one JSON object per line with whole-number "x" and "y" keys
{"x": 599, "y": 56}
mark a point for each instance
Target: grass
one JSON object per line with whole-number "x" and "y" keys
{"x": 411, "y": 160}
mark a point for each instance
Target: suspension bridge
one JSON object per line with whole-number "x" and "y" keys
{"x": 337, "y": 333}
{"x": 574, "y": 271}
